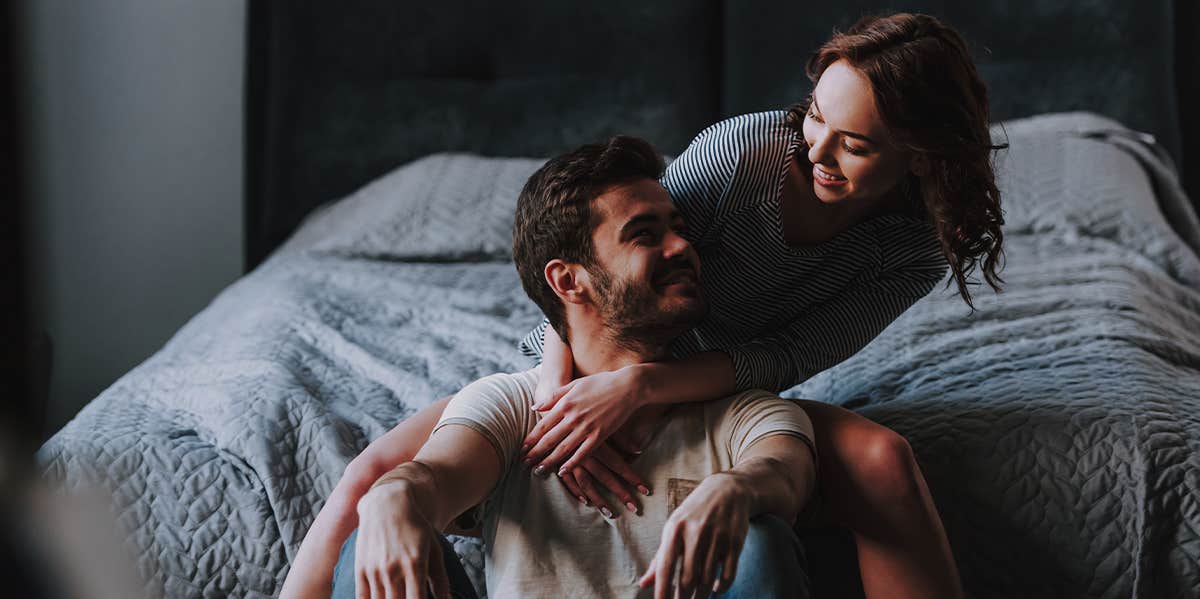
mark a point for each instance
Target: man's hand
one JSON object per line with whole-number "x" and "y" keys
{"x": 398, "y": 552}
{"x": 707, "y": 530}
{"x": 580, "y": 416}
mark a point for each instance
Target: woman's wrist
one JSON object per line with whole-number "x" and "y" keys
{"x": 645, "y": 377}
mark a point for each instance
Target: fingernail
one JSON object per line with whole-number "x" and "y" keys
{"x": 528, "y": 461}
{"x": 632, "y": 507}
{"x": 583, "y": 500}
{"x": 643, "y": 490}
{"x": 562, "y": 472}
{"x": 541, "y": 471}
{"x": 525, "y": 448}
{"x": 607, "y": 512}
{"x": 717, "y": 587}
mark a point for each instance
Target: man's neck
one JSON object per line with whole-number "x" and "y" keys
{"x": 595, "y": 349}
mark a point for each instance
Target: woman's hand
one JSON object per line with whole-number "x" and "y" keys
{"x": 580, "y": 416}
{"x": 610, "y": 469}
{"x": 398, "y": 553}
{"x": 705, "y": 532}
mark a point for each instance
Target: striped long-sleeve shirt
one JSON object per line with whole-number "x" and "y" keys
{"x": 783, "y": 313}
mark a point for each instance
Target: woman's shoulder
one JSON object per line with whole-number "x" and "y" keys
{"x": 747, "y": 130}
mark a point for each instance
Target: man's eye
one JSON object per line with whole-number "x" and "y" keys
{"x": 812, "y": 115}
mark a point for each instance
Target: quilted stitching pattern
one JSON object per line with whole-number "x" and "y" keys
{"x": 1057, "y": 426}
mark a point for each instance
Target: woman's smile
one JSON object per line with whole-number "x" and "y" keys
{"x": 826, "y": 179}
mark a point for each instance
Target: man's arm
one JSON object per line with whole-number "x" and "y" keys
{"x": 773, "y": 475}
{"x": 401, "y": 517}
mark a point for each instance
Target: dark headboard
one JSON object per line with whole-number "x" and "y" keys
{"x": 339, "y": 93}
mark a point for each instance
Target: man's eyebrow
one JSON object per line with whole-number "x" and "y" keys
{"x": 646, "y": 218}
{"x": 846, "y": 133}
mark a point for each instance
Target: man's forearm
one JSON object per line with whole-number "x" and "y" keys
{"x": 778, "y": 484}
{"x": 415, "y": 484}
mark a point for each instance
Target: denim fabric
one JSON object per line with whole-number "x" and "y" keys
{"x": 343, "y": 572}
{"x": 772, "y": 563}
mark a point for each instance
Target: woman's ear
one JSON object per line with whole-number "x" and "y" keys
{"x": 569, "y": 281}
{"x": 919, "y": 165}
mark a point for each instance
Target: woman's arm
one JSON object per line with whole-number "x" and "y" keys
{"x": 589, "y": 410}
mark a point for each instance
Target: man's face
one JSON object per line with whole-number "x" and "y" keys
{"x": 648, "y": 281}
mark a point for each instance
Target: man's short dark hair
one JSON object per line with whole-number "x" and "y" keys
{"x": 554, "y": 216}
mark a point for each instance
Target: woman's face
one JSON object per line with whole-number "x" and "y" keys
{"x": 849, "y": 147}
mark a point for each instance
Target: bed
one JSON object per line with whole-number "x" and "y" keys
{"x": 1058, "y": 426}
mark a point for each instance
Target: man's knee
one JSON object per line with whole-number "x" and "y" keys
{"x": 772, "y": 562}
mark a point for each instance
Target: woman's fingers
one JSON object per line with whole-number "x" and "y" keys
{"x": 624, "y": 442}
{"x": 552, "y": 439}
{"x": 362, "y": 585}
{"x": 648, "y": 577}
{"x": 572, "y": 487}
{"x": 584, "y": 451}
{"x": 592, "y": 492}
{"x": 617, "y": 464}
{"x": 552, "y": 397}
{"x": 605, "y": 477}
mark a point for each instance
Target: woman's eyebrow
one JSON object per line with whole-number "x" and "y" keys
{"x": 846, "y": 133}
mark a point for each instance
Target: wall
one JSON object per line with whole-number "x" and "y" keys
{"x": 134, "y": 113}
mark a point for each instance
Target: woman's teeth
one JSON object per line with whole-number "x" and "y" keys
{"x": 827, "y": 177}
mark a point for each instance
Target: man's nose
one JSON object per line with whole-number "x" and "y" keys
{"x": 676, "y": 245}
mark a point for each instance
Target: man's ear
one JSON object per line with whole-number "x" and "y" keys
{"x": 569, "y": 281}
{"x": 919, "y": 165}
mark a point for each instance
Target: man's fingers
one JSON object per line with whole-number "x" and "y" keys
{"x": 610, "y": 458}
{"x": 648, "y": 577}
{"x": 711, "y": 561}
{"x": 729, "y": 568}
{"x": 583, "y": 452}
{"x": 664, "y": 574}
{"x": 362, "y": 585}
{"x": 605, "y": 477}
{"x": 414, "y": 581}
{"x": 695, "y": 550}
{"x": 437, "y": 572}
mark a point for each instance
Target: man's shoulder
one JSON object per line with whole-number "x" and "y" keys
{"x": 511, "y": 388}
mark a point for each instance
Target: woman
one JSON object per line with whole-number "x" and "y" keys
{"x": 816, "y": 226}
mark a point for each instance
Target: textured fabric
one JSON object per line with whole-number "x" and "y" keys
{"x": 541, "y": 542}
{"x": 783, "y": 313}
{"x": 1058, "y": 426}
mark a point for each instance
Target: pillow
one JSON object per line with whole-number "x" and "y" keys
{"x": 440, "y": 208}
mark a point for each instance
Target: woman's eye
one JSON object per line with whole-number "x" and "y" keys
{"x": 853, "y": 150}
{"x": 812, "y": 115}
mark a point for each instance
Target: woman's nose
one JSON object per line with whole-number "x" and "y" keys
{"x": 818, "y": 151}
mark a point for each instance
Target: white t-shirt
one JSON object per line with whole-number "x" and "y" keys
{"x": 542, "y": 542}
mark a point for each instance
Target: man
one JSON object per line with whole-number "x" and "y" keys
{"x": 597, "y": 244}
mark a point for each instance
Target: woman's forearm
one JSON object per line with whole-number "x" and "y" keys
{"x": 558, "y": 365}
{"x": 699, "y": 377}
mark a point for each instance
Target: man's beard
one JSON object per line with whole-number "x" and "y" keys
{"x": 633, "y": 317}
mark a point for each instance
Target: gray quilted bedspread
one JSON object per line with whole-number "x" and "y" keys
{"x": 1058, "y": 426}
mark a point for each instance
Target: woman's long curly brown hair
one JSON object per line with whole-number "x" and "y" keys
{"x": 933, "y": 102}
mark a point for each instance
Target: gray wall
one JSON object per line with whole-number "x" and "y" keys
{"x": 134, "y": 146}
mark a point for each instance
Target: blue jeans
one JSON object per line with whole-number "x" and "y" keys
{"x": 771, "y": 566}
{"x": 343, "y": 572}
{"x": 772, "y": 563}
